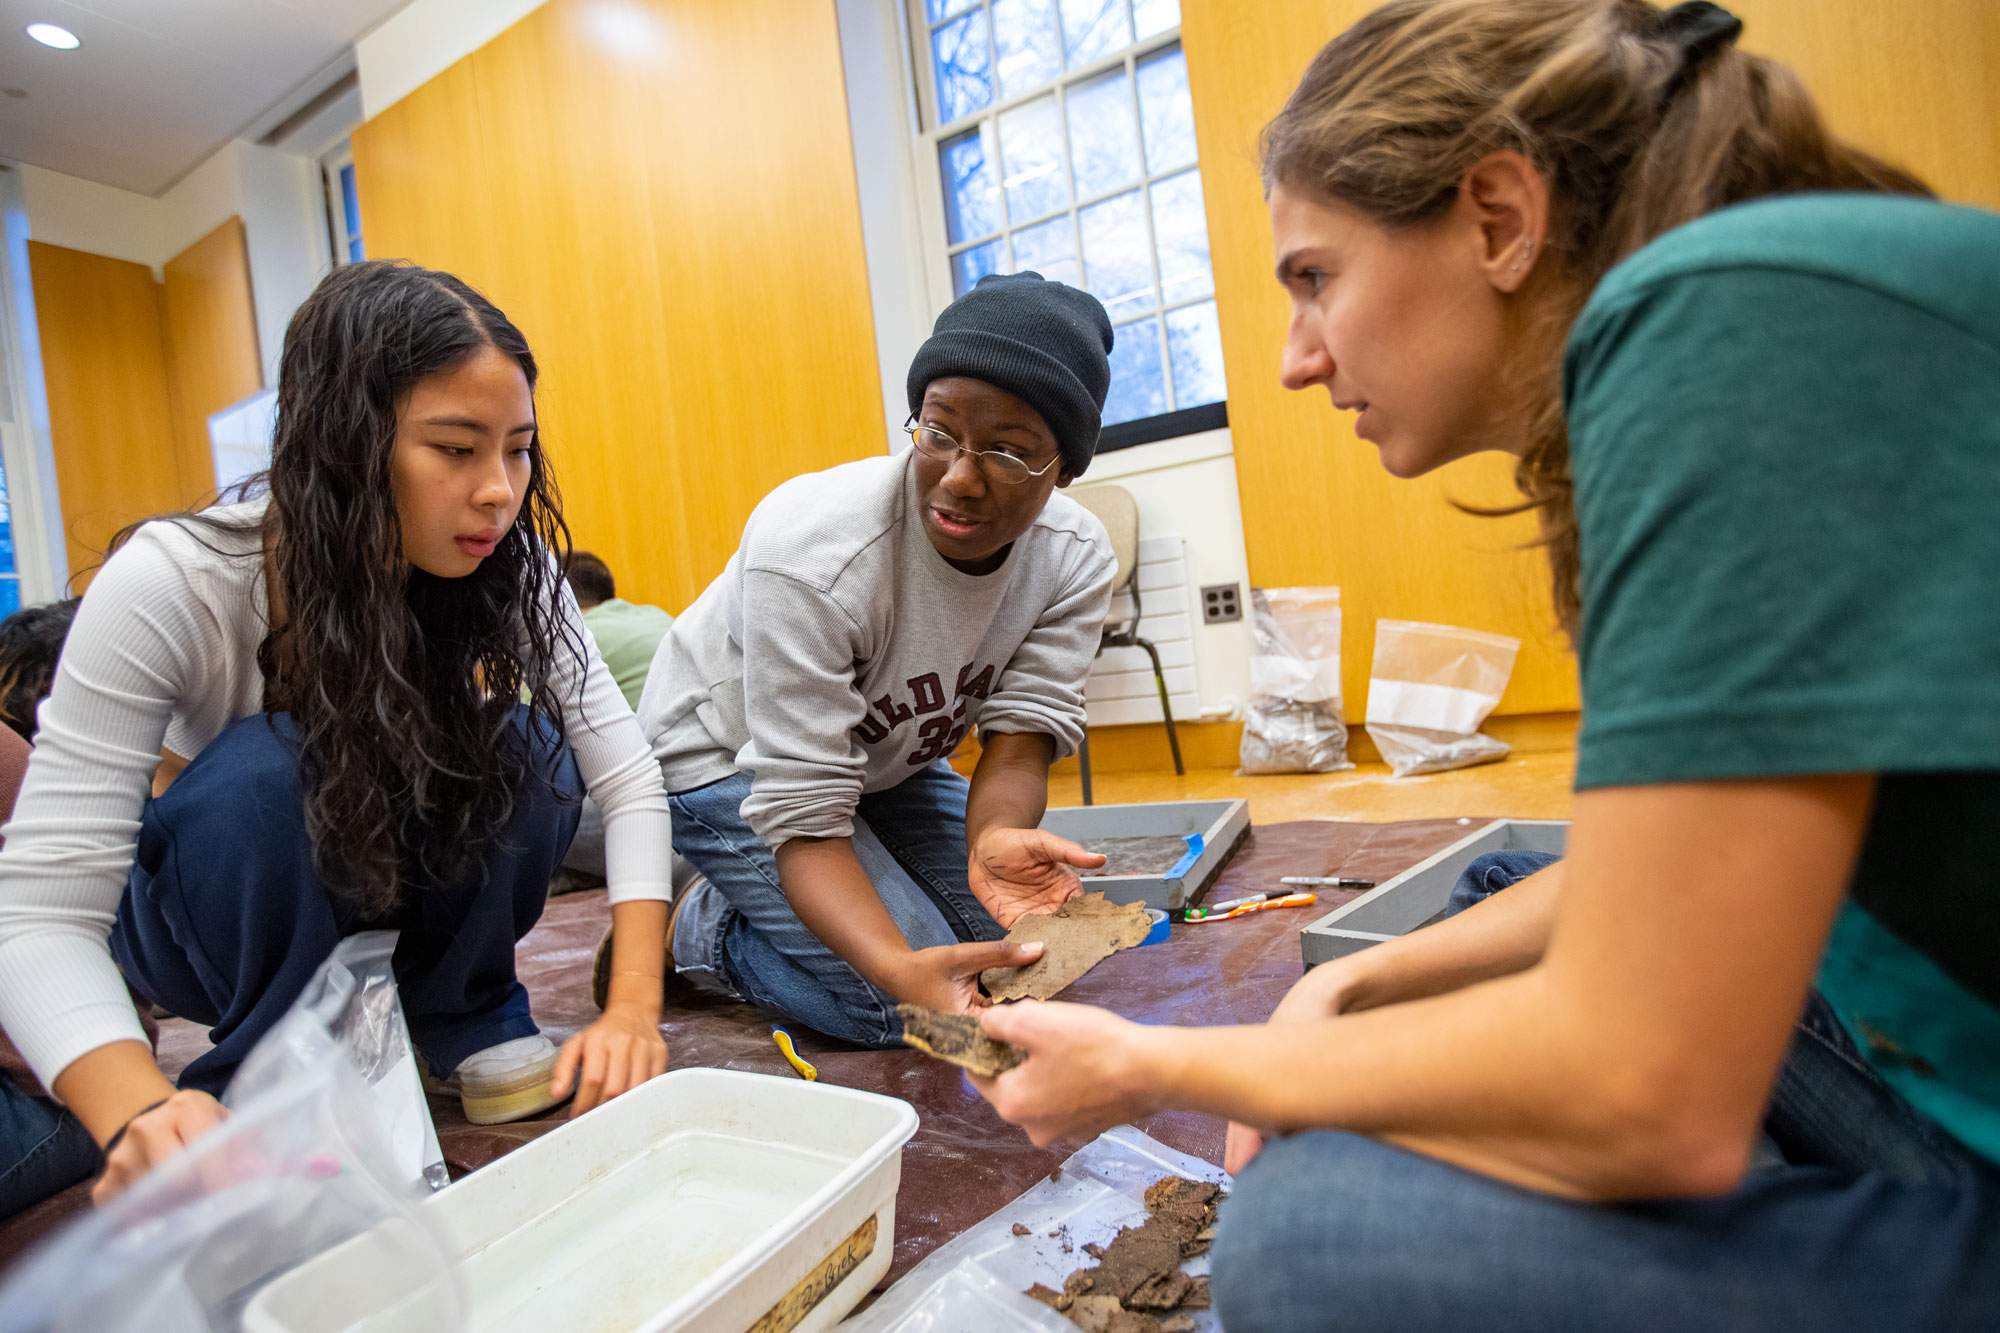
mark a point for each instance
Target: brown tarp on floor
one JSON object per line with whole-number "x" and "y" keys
{"x": 964, "y": 1162}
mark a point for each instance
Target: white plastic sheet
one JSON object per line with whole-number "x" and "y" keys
{"x": 976, "y": 1282}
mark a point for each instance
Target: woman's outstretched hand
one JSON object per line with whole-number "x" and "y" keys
{"x": 153, "y": 1136}
{"x": 1016, "y": 872}
{"x": 1087, "y": 1069}
{"x": 614, "y": 1055}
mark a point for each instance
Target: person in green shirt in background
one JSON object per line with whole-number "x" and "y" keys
{"x": 627, "y": 633}
{"x": 1734, "y": 1063}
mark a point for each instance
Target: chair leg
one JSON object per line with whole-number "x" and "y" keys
{"x": 1083, "y": 762}
{"x": 1166, "y": 709}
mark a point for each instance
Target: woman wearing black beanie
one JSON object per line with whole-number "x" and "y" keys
{"x": 803, "y": 709}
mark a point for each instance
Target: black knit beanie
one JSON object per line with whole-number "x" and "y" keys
{"x": 1046, "y": 343}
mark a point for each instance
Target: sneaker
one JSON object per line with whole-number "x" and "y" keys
{"x": 511, "y": 1081}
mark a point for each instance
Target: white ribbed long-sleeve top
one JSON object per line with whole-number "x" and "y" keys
{"x": 163, "y": 653}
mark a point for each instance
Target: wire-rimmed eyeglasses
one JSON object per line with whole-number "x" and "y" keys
{"x": 997, "y": 464}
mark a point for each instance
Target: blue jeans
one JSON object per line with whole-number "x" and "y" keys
{"x": 225, "y": 917}
{"x": 43, "y": 1150}
{"x": 911, "y": 841}
{"x": 1871, "y": 1217}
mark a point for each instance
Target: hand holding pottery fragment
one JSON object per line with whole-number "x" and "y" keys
{"x": 946, "y": 976}
{"x": 1086, "y": 1069}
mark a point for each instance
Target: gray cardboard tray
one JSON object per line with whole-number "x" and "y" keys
{"x": 1399, "y": 906}
{"x": 1211, "y": 830}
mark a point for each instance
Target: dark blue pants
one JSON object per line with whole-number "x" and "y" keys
{"x": 43, "y": 1149}
{"x": 1864, "y": 1215}
{"x": 225, "y": 917}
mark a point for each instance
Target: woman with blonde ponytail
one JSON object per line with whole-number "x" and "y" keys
{"x": 1735, "y": 1062}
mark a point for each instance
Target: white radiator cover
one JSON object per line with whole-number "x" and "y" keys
{"x": 1121, "y": 688}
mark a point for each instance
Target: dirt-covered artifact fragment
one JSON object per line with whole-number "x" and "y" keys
{"x": 956, "y": 1038}
{"x": 1079, "y": 935}
{"x": 1138, "y": 1275}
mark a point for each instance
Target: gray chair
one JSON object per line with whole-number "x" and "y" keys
{"x": 1119, "y": 513}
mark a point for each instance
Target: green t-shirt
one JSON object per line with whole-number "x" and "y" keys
{"x": 1785, "y": 438}
{"x": 627, "y": 636}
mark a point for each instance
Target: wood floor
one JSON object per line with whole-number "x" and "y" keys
{"x": 1527, "y": 786}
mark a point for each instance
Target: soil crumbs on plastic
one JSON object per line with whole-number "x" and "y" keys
{"x": 1138, "y": 1279}
{"x": 956, "y": 1039}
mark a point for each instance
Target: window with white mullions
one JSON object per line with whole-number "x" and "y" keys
{"x": 1064, "y": 140}
{"x": 343, "y": 205}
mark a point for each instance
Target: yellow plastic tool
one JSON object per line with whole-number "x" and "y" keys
{"x": 792, "y": 1057}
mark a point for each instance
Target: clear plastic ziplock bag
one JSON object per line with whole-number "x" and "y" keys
{"x": 302, "y": 1166}
{"x": 353, "y": 998}
{"x": 1294, "y": 723}
{"x": 977, "y": 1282}
{"x": 1431, "y": 687}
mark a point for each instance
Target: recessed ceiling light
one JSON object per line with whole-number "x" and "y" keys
{"x": 50, "y": 34}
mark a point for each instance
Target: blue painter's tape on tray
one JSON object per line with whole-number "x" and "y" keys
{"x": 1186, "y": 863}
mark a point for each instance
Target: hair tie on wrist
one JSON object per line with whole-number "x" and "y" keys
{"x": 1700, "y": 29}
{"x": 119, "y": 1137}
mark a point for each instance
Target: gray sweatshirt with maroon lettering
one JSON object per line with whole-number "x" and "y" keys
{"x": 838, "y": 653}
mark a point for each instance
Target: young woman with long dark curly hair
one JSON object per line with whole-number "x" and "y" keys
{"x": 342, "y": 662}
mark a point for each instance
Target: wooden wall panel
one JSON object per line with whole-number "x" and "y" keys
{"x": 668, "y": 211}
{"x": 1920, "y": 83}
{"x": 104, "y": 361}
{"x": 212, "y": 354}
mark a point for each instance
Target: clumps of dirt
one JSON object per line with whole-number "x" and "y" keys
{"x": 1137, "y": 1279}
{"x": 1077, "y": 936}
{"x": 1103, "y": 1314}
{"x": 956, "y": 1039}
{"x": 1020, "y": 1228}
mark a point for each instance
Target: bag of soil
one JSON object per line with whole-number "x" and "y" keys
{"x": 1294, "y": 723}
{"x": 312, "y": 1157}
{"x": 1431, "y": 687}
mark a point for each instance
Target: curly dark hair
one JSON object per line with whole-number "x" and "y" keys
{"x": 31, "y": 641}
{"x": 402, "y": 685}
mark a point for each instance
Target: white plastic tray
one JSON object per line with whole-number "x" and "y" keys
{"x": 707, "y": 1199}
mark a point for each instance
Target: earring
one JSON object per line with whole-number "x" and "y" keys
{"x": 1527, "y": 251}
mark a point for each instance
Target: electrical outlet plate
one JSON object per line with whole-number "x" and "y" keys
{"x": 1221, "y": 603}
